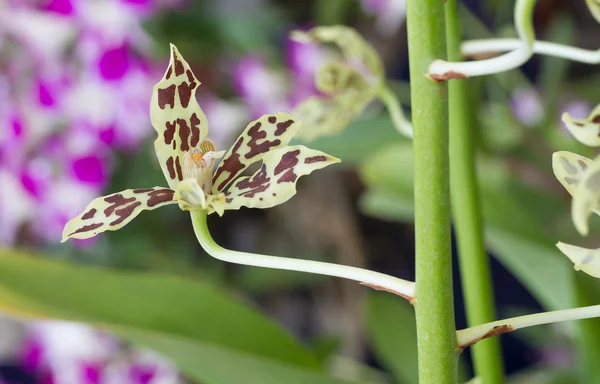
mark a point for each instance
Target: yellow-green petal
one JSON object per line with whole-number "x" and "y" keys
{"x": 583, "y": 259}
{"x": 586, "y": 197}
{"x": 594, "y": 6}
{"x": 569, "y": 168}
{"x": 275, "y": 182}
{"x": 586, "y": 131}
{"x": 112, "y": 212}
{"x": 176, "y": 116}
{"x": 267, "y": 133}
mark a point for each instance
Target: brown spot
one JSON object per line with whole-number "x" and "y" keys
{"x": 596, "y": 120}
{"x": 170, "y": 168}
{"x": 496, "y": 331}
{"x": 231, "y": 164}
{"x": 260, "y": 198}
{"x": 190, "y": 76}
{"x": 178, "y": 168}
{"x": 184, "y": 134}
{"x": 282, "y": 127}
{"x": 166, "y": 96}
{"x": 143, "y": 190}
{"x": 178, "y": 65}
{"x": 582, "y": 164}
{"x": 117, "y": 200}
{"x": 380, "y": 288}
{"x": 169, "y": 72}
{"x": 315, "y": 159}
{"x": 448, "y": 76}
{"x": 87, "y": 228}
{"x": 89, "y": 214}
{"x": 287, "y": 163}
{"x": 256, "y": 134}
{"x": 577, "y": 123}
{"x": 160, "y": 196}
{"x": 228, "y": 200}
{"x": 274, "y": 194}
{"x": 272, "y": 119}
{"x": 185, "y": 93}
{"x": 125, "y": 212}
{"x": 195, "y": 122}
{"x": 255, "y": 184}
{"x": 170, "y": 132}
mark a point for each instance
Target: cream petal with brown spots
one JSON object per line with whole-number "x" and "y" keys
{"x": 112, "y": 212}
{"x": 275, "y": 182}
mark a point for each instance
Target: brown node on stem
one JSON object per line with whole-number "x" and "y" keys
{"x": 496, "y": 331}
{"x": 447, "y": 76}
{"x": 411, "y": 300}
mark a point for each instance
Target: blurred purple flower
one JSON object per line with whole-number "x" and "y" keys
{"x": 75, "y": 86}
{"x": 389, "y": 14}
{"x": 72, "y": 353}
{"x": 527, "y": 106}
{"x": 269, "y": 91}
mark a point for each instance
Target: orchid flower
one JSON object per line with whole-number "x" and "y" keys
{"x": 581, "y": 178}
{"x": 187, "y": 156}
{"x": 586, "y": 131}
{"x": 349, "y": 85}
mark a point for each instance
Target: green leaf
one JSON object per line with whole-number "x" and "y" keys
{"x": 214, "y": 364}
{"x": 541, "y": 268}
{"x": 360, "y": 139}
{"x": 145, "y": 301}
{"x": 392, "y": 332}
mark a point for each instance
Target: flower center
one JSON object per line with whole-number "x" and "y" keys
{"x": 198, "y": 164}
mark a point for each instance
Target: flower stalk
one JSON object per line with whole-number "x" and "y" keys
{"x": 469, "y": 336}
{"x": 548, "y": 48}
{"x": 466, "y": 209}
{"x": 434, "y": 308}
{"x": 377, "y": 280}
{"x": 441, "y": 70}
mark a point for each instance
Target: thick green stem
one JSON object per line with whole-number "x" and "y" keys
{"x": 434, "y": 306}
{"x": 466, "y": 208}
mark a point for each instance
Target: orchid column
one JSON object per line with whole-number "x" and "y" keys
{"x": 434, "y": 305}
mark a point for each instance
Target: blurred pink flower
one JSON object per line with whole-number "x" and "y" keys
{"x": 73, "y": 353}
{"x": 75, "y": 86}
{"x": 269, "y": 91}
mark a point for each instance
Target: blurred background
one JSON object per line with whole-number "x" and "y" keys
{"x": 75, "y": 82}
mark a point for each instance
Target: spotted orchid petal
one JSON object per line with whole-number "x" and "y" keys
{"x": 569, "y": 168}
{"x": 594, "y": 6}
{"x": 586, "y": 197}
{"x": 178, "y": 119}
{"x": 349, "y": 85}
{"x": 112, "y": 212}
{"x": 584, "y": 259}
{"x": 586, "y": 131}
{"x": 260, "y": 137}
{"x": 275, "y": 182}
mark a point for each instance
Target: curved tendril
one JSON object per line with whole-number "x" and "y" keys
{"x": 477, "y": 47}
{"x": 441, "y": 70}
{"x": 401, "y": 123}
{"x": 469, "y": 336}
{"x": 373, "y": 279}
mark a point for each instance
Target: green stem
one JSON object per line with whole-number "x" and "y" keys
{"x": 466, "y": 208}
{"x": 434, "y": 307}
{"x": 588, "y": 331}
